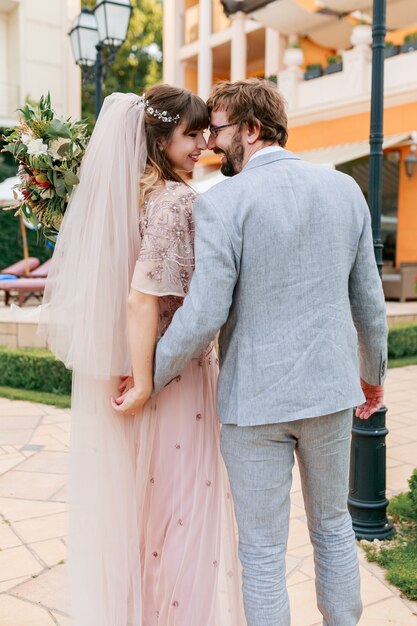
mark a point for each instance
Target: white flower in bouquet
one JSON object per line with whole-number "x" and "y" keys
{"x": 27, "y": 138}
{"x": 47, "y": 193}
{"x": 36, "y": 147}
{"x": 55, "y": 146}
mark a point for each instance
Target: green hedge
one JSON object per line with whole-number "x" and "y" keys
{"x": 33, "y": 369}
{"x": 38, "y": 370}
{"x": 402, "y": 341}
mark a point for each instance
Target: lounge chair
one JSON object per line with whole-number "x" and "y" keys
{"x": 24, "y": 287}
{"x": 34, "y": 284}
{"x": 19, "y": 268}
{"x": 41, "y": 271}
{"x": 401, "y": 284}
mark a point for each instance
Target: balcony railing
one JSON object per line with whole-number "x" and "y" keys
{"x": 348, "y": 87}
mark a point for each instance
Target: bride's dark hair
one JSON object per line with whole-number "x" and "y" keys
{"x": 175, "y": 101}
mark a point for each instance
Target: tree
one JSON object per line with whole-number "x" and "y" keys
{"x": 138, "y": 63}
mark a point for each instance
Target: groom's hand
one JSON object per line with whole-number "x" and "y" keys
{"x": 126, "y": 384}
{"x": 374, "y": 395}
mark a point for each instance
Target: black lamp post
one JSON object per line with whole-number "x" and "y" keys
{"x": 92, "y": 33}
{"x": 367, "y": 501}
{"x": 410, "y": 162}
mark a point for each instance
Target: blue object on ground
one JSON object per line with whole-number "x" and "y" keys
{"x": 8, "y": 277}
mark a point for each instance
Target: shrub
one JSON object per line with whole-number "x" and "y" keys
{"x": 412, "y": 482}
{"x": 411, "y": 37}
{"x": 400, "y": 507}
{"x": 33, "y": 369}
{"x": 402, "y": 341}
{"x": 335, "y": 58}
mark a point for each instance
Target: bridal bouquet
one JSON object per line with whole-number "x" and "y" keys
{"x": 49, "y": 151}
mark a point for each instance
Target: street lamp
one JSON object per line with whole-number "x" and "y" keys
{"x": 367, "y": 500}
{"x": 411, "y": 161}
{"x": 112, "y": 21}
{"x": 103, "y": 29}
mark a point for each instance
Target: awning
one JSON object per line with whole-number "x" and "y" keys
{"x": 327, "y": 22}
{"x": 331, "y": 156}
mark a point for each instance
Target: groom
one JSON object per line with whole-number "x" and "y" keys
{"x": 285, "y": 267}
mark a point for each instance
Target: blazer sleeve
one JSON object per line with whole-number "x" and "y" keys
{"x": 368, "y": 307}
{"x": 207, "y": 304}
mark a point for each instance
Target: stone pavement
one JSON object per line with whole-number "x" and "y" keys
{"x": 34, "y": 443}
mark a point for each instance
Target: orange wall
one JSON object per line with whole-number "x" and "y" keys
{"x": 314, "y": 53}
{"x": 407, "y": 215}
{"x": 401, "y": 119}
{"x": 397, "y": 36}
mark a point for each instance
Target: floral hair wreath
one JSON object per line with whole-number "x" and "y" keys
{"x": 161, "y": 115}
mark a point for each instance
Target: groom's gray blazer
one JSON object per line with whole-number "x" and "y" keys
{"x": 285, "y": 267}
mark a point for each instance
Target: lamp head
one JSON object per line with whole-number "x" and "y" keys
{"x": 113, "y": 18}
{"x": 84, "y": 38}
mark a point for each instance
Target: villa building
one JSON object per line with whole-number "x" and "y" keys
{"x": 36, "y": 57}
{"x": 319, "y": 53}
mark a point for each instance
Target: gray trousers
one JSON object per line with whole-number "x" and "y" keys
{"x": 259, "y": 460}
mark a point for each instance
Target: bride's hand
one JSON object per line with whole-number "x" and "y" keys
{"x": 132, "y": 400}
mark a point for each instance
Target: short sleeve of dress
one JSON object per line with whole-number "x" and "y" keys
{"x": 166, "y": 258}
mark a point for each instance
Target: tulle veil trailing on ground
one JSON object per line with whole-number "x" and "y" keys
{"x": 83, "y": 318}
{"x": 114, "y": 517}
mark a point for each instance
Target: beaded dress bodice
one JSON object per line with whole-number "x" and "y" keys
{"x": 166, "y": 259}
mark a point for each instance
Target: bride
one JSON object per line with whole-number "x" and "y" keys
{"x": 152, "y": 533}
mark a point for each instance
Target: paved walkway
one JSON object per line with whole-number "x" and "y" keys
{"x": 34, "y": 442}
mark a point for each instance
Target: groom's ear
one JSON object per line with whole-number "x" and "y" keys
{"x": 253, "y": 132}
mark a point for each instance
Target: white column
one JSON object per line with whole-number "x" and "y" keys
{"x": 205, "y": 56}
{"x": 238, "y": 61}
{"x": 272, "y": 49}
{"x": 173, "y": 16}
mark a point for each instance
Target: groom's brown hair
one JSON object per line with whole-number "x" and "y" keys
{"x": 252, "y": 101}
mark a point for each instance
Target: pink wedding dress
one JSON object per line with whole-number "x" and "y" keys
{"x": 153, "y": 533}
{"x": 190, "y": 569}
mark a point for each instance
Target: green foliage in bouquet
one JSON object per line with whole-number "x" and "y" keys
{"x": 49, "y": 151}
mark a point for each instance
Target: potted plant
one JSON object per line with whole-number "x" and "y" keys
{"x": 390, "y": 49}
{"x": 314, "y": 70}
{"x": 334, "y": 64}
{"x": 410, "y": 42}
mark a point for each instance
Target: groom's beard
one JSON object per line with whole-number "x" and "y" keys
{"x": 234, "y": 157}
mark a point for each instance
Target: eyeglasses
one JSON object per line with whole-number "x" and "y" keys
{"x": 214, "y": 130}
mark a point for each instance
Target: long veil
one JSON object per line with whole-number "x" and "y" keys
{"x": 84, "y": 322}
{"x": 85, "y": 298}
